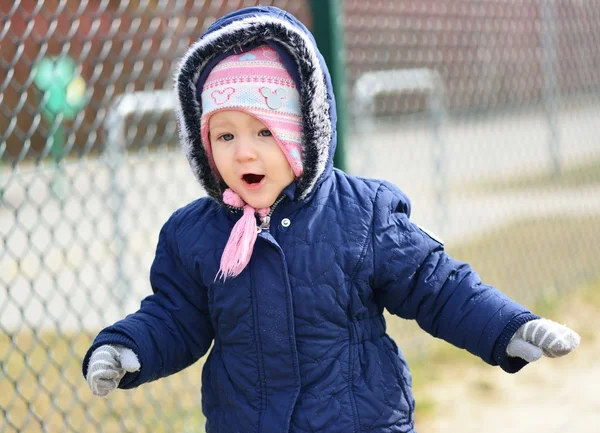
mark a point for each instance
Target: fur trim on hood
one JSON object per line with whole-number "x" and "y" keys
{"x": 251, "y": 26}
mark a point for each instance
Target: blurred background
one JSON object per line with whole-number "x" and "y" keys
{"x": 486, "y": 113}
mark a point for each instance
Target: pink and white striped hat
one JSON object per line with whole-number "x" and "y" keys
{"x": 258, "y": 83}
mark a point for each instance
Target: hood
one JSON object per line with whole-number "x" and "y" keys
{"x": 250, "y": 27}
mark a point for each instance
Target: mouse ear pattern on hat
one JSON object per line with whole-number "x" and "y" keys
{"x": 257, "y": 83}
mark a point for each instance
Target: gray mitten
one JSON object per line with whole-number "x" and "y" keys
{"x": 107, "y": 366}
{"x": 542, "y": 337}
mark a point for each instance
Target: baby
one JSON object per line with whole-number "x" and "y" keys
{"x": 287, "y": 265}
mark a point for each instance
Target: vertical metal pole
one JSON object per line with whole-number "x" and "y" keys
{"x": 115, "y": 154}
{"x": 2, "y": 150}
{"x": 428, "y": 81}
{"x": 371, "y": 84}
{"x": 158, "y": 101}
{"x": 328, "y": 30}
{"x": 438, "y": 114}
{"x": 58, "y": 184}
{"x": 550, "y": 89}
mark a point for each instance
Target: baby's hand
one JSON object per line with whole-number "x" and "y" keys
{"x": 542, "y": 336}
{"x": 108, "y": 365}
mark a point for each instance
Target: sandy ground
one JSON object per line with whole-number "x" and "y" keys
{"x": 551, "y": 395}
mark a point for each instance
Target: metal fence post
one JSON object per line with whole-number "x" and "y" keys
{"x": 114, "y": 126}
{"x": 428, "y": 81}
{"x": 116, "y": 148}
{"x": 550, "y": 89}
{"x": 328, "y": 30}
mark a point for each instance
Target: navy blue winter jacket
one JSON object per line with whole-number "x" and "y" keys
{"x": 299, "y": 338}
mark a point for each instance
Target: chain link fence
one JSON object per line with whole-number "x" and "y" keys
{"x": 484, "y": 112}
{"x": 88, "y": 177}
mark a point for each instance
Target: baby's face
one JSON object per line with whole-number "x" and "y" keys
{"x": 248, "y": 158}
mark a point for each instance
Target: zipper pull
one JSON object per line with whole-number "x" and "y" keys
{"x": 264, "y": 224}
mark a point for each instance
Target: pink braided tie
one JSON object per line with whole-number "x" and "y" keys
{"x": 238, "y": 251}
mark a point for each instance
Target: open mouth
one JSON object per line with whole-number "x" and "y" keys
{"x": 251, "y": 178}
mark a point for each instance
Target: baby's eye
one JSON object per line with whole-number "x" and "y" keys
{"x": 226, "y": 137}
{"x": 265, "y": 133}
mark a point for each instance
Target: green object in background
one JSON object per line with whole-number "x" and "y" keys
{"x": 63, "y": 94}
{"x": 64, "y": 91}
{"x": 63, "y": 97}
{"x": 328, "y": 30}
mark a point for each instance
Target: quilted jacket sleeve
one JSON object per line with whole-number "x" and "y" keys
{"x": 415, "y": 279}
{"x": 172, "y": 328}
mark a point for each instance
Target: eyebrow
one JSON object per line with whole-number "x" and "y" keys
{"x": 221, "y": 124}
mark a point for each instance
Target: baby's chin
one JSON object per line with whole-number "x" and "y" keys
{"x": 260, "y": 204}
{"x": 259, "y": 200}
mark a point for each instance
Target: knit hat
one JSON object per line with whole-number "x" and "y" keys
{"x": 258, "y": 83}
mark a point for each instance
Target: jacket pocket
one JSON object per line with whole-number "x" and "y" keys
{"x": 383, "y": 398}
{"x": 210, "y": 398}
{"x": 403, "y": 376}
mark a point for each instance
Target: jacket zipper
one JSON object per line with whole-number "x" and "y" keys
{"x": 265, "y": 221}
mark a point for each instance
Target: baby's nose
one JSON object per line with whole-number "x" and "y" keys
{"x": 245, "y": 151}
